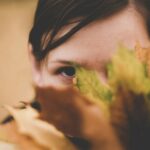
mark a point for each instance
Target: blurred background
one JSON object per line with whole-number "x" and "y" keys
{"x": 16, "y": 18}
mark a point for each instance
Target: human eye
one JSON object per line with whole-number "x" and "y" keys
{"x": 67, "y": 73}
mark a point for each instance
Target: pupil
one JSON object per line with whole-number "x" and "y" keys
{"x": 69, "y": 71}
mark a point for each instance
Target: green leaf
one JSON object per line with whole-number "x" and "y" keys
{"x": 125, "y": 69}
{"x": 90, "y": 85}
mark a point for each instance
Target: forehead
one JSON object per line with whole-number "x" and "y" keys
{"x": 98, "y": 40}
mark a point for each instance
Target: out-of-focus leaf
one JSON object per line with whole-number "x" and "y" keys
{"x": 90, "y": 85}
{"x": 127, "y": 70}
{"x": 143, "y": 54}
{"x": 41, "y": 132}
{"x": 7, "y": 146}
{"x": 5, "y": 143}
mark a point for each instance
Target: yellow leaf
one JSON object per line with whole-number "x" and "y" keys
{"x": 7, "y": 146}
{"x": 40, "y": 131}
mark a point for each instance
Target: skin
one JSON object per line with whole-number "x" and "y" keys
{"x": 92, "y": 47}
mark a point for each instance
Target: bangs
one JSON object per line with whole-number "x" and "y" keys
{"x": 52, "y": 15}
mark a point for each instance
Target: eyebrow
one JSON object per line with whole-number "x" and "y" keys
{"x": 80, "y": 63}
{"x": 69, "y": 62}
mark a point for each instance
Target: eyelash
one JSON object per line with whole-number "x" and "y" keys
{"x": 67, "y": 73}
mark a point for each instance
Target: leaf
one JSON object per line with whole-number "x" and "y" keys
{"x": 127, "y": 70}
{"x": 40, "y": 131}
{"x": 5, "y": 142}
{"x": 143, "y": 54}
{"x": 7, "y": 146}
{"x": 90, "y": 85}
{"x": 124, "y": 70}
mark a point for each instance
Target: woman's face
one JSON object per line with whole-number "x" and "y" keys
{"x": 92, "y": 47}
